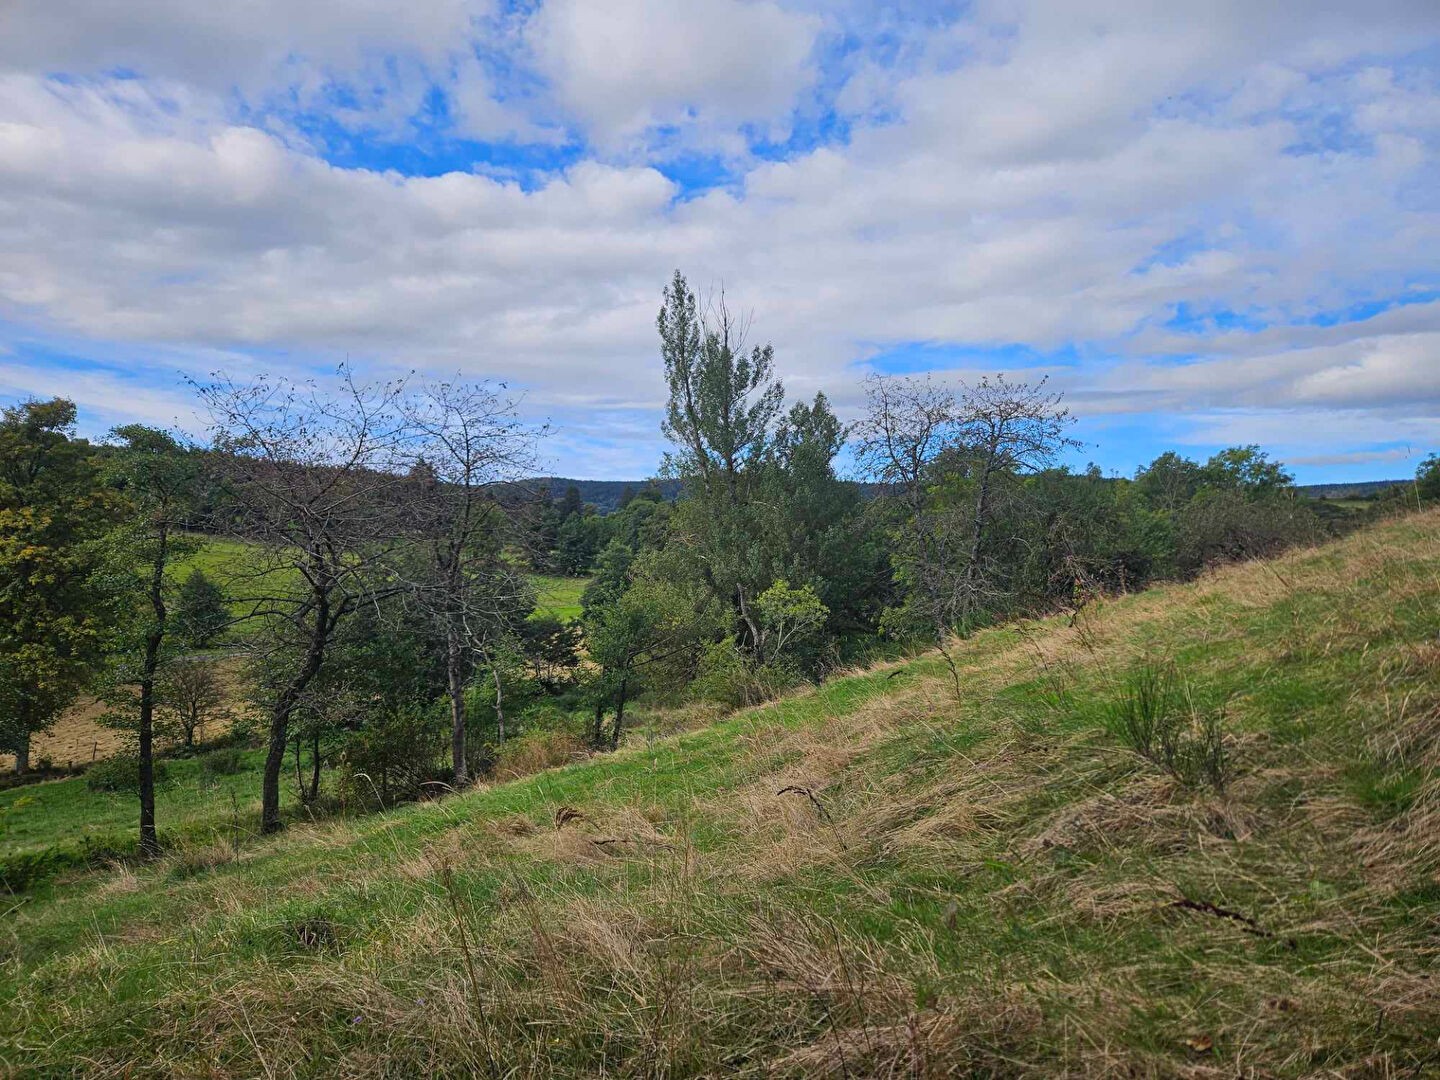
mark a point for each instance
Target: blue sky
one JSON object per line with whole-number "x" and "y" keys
{"x": 1205, "y": 224}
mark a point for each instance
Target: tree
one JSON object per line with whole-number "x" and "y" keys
{"x": 952, "y": 466}
{"x": 1427, "y": 480}
{"x": 1005, "y": 429}
{"x": 652, "y": 621}
{"x": 1170, "y": 481}
{"x": 53, "y": 513}
{"x": 201, "y": 613}
{"x": 723, "y": 403}
{"x": 311, "y": 484}
{"x": 1246, "y": 469}
{"x": 787, "y": 617}
{"x": 189, "y": 694}
{"x": 158, "y": 481}
{"x": 466, "y": 443}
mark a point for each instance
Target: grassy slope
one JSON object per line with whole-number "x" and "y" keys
{"x": 68, "y": 812}
{"x": 988, "y": 886}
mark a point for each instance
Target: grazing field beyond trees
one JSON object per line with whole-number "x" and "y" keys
{"x": 1190, "y": 831}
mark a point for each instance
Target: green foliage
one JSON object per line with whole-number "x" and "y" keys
{"x": 789, "y": 619}
{"x": 121, "y": 774}
{"x": 222, "y": 761}
{"x": 725, "y": 675}
{"x": 54, "y": 511}
{"x": 1427, "y": 480}
{"x": 201, "y": 613}
{"x": 392, "y": 759}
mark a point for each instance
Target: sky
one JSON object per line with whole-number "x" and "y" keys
{"x": 1206, "y": 223}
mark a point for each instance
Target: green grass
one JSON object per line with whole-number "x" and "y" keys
{"x": 220, "y": 558}
{"x": 66, "y": 811}
{"x": 869, "y": 879}
{"x": 558, "y": 596}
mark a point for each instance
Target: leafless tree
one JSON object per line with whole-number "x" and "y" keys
{"x": 190, "y": 693}
{"x": 917, "y": 438}
{"x": 1006, "y": 429}
{"x": 468, "y": 450}
{"x": 909, "y": 423}
{"x": 309, "y": 474}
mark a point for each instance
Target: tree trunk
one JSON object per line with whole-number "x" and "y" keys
{"x": 299, "y": 776}
{"x": 499, "y": 704}
{"x": 619, "y": 713}
{"x": 756, "y": 644}
{"x": 597, "y": 728}
{"x": 977, "y": 538}
{"x": 314, "y": 765}
{"x": 149, "y": 837}
{"x": 455, "y": 679}
{"x": 22, "y": 752}
{"x": 280, "y": 715}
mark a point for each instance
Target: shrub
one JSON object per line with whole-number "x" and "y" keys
{"x": 121, "y": 773}
{"x": 727, "y": 677}
{"x": 391, "y": 759}
{"x": 201, "y": 612}
{"x": 226, "y": 761}
{"x": 1154, "y": 717}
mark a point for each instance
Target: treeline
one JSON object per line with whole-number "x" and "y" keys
{"x": 376, "y": 538}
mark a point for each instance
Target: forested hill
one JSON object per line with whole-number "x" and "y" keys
{"x": 1360, "y": 489}
{"x": 607, "y": 496}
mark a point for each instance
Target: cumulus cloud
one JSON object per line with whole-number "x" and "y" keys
{"x": 1228, "y": 214}
{"x": 626, "y": 66}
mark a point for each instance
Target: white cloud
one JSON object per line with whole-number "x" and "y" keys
{"x": 626, "y": 66}
{"x": 1039, "y": 174}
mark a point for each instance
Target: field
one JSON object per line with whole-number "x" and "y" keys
{"x": 880, "y": 877}
{"x": 189, "y": 803}
{"x": 559, "y": 596}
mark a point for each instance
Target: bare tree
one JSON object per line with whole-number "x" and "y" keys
{"x": 909, "y": 423}
{"x": 917, "y": 438}
{"x": 189, "y": 693}
{"x": 1005, "y": 429}
{"x": 467, "y": 448}
{"x": 310, "y": 480}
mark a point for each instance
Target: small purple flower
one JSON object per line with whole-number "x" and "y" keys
{"x": 356, "y": 1019}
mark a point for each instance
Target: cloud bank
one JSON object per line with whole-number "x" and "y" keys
{"x": 1207, "y": 226}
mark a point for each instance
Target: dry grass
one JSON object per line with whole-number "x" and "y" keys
{"x": 78, "y": 737}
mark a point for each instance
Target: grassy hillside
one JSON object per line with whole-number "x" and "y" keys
{"x": 874, "y": 878}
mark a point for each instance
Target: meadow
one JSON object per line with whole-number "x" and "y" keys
{"x": 875, "y": 877}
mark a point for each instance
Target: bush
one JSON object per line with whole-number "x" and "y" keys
{"x": 727, "y": 677}
{"x": 391, "y": 759}
{"x": 1225, "y": 526}
{"x": 201, "y": 612}
{"x": 226, "y": 761}
{"x": 121, "y": 774}
{"x": 1155, "y": 718}
{"x": 24, "y": 870}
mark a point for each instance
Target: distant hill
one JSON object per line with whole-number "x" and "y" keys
{"x": 1360, "y": 489}
{"x": 604, "y": 495}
